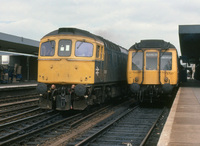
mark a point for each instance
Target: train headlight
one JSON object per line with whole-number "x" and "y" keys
{"x": 166, "y": 79}
{"x": 136, "y": 79}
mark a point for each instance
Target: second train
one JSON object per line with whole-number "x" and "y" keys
{"x": 152, "y": 70}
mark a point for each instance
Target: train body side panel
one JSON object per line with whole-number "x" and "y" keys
{"x": 114, "y": 66}
{"x": 99, "y": 71}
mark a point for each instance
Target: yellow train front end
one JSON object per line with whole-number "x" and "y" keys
{"x": 66, "y": 69}
{"x": 152, "y": 69}
{"x": 73, "y": 67}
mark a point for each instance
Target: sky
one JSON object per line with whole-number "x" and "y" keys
{"x": 124, "y": 22}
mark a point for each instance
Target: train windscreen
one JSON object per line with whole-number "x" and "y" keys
{"x": 137, "y": 60}
{"x": 47, "y": 48}
{"x": 83, "y": 49}
{"x": 151, "y": 60}
{"x": 64, "y": 48}
{"x": 166, "y": 61}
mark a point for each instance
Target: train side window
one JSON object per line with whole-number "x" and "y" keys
{"x": 151, "y": 60}
{"x": 166, "y": 61}
{"x": 64, "y": 48}
{"x": 102, "y": 53}
{"x": 83, "y": 49}
{"x": 137, "y": 60}
{"x": 47, "y": 48}
{"x": 98, "y": 51}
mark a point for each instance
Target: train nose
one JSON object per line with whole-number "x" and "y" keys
{"x": 135, "y": 87}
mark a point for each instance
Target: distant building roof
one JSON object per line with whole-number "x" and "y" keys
{"x": 17, "y": 44}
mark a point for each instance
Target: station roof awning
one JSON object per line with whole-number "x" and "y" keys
{"x": 17, "y": 44}
{"x": 189, "y": 37}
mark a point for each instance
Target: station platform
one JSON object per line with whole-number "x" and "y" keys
{"x": 182, "y": 127}
{"x": 18, "y": 85}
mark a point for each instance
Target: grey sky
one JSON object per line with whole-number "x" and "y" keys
{"x": 123, "y": 22}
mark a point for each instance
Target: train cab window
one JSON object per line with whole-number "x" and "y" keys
{"x": 137, "y": 60}
{"x": 47, "y": 48}
{"x": 83, "y": 49}
{"x": 151, "y": 60}
{"x": 64, "y": 48}
{"x": 99, "y": 52}
{"x": 166, "y": 61}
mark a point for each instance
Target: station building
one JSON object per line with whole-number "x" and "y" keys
{"x": 18, "y": 59}
{"x": 189, "y": 37}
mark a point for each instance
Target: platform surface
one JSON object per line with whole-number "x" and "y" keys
{"x": 182, "y": 127}
{"x": 18, "y": 85}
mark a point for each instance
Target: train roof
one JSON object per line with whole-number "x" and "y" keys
{"x": 152, "y": 44}
{"x": 76, "y": 31}
{"x": 73, "y": 31}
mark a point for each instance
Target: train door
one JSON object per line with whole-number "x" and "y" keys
{"x": 99, "y": 64}
{"x": 151, "y": 67}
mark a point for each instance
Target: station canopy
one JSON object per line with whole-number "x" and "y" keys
{"x": 14, "y": 45}
{"x": 189, "y": 37}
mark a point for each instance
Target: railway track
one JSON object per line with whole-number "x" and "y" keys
{"x": 25, "y": 113}
{"x": 9, "y": 109}
{"x": 45, "y": 128}
{"x": 12, "y": 112}
{"x": 76, "y": 131}
{"x": 103, "y": 126}
{"x": 39, "y": 131}
{"x": 132, "y": 127}
{"x": 8, "y": 99}
{"x": 13, "y": 129}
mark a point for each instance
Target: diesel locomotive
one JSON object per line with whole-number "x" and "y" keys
{"x": 77, "y": 68}
{"x": 152, "y": 69}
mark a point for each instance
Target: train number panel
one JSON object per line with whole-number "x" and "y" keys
{"x": 152, "y": 69}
